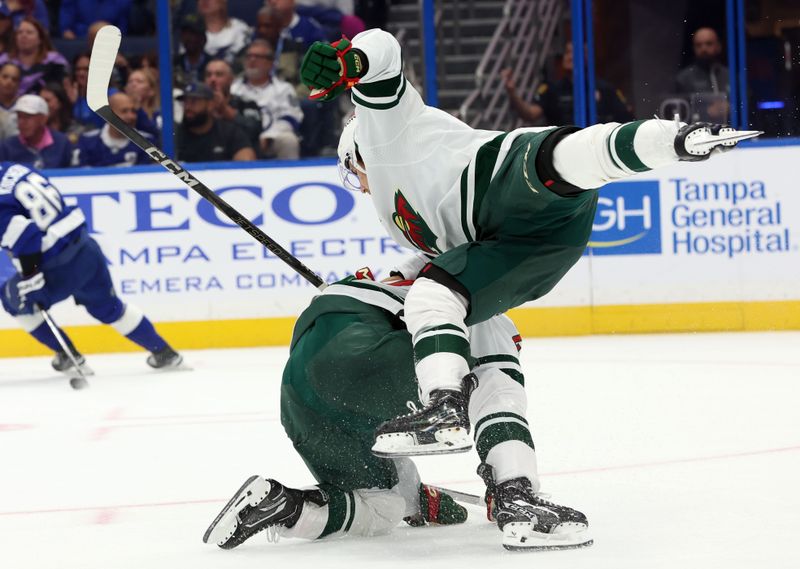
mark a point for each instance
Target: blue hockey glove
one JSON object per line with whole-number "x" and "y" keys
{"x": 22, "y": 295}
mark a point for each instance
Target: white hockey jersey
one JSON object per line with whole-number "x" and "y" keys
{"x": 420, "y": 160}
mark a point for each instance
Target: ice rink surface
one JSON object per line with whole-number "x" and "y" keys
{"x": 683, "y": 451}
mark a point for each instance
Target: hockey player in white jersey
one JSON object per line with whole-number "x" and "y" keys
{"x": 349, "y": 367}
{"x": 501, "y": 216}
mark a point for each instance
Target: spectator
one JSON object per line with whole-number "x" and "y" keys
{"x": 203, "y": 138}
{"x": 219, "y": 77}
{"x": 189, "y": 65}
{"x": 10, "y": 75}
{"x": 36, "y": 145}
{"x": 76, "y": 16}
{"x": 76, "y": 89}
{"x": 706, "y": 77}
{"x": 6, "y": 29}
{"x": 60, "y": 111}
{"x": 33, "y": 52}
{"x": 553, "y": 103}
{"x": 226, "y": 37}
{"x": 18, "y": 10}
{"x": 142, "y": 88}
{"x": 107, "y": 146}
{"x": 280, "y": 111}
{"x": 296, "y": 27}
{"x": 288, "y": 51}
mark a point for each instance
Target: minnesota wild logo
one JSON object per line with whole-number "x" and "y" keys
{"x": 413, "y": 226}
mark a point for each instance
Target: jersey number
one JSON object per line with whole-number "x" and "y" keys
{"x": 40, "y": 198}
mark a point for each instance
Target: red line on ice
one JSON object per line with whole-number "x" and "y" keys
{"x": 558, "y": 473}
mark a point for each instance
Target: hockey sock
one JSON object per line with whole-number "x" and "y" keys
{"x": 135, "y": 326}
{"x": 612, "y": 151}
{"x": 146, "y": 336}
{"x": 45, "y": 335}
{"x": 357, "y": 512}
{"x": 435, "y": 318}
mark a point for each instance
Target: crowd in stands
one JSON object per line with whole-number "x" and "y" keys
{"x": 235, "y": 67}
{"x": 237, "y": 92}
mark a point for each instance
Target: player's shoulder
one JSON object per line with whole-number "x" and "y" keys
{"x": 12, "y": 173}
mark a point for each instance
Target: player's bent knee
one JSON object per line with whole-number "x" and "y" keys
{"x": 107, "y": 311}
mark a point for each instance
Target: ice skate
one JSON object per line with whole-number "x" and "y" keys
{"x": 697, "y": 141}
{"x": 441, "y": 427}
{"x": 528, "y": 521}
{"x": 258, "y": 505}
{"x": 63, "y": 363}
{"x": 165, "y": 359}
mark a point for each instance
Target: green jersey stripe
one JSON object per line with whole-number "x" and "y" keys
{"x": 623, "y": 144}
{"x": 610, "y": 151}
{"x": 497, "y": 358}
{"x": 361, "y": 284}
{"x": 337, "y": 512}
{"x": 441, "y": 343}
{"x": 501, "y": 414}
{"x": 385, "y": 88}
{"x": 395, "y": 100}
{"x": 352, "y": 512}
{"x": 514, "y": 374}
{"x": 498, "y": 433}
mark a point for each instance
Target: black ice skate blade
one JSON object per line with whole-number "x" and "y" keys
{"x": 520, "y": 548}
{"x": 420, "y": 452}
{"x": 230, "y": 503}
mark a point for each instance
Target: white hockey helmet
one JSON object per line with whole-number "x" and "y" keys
{"x": 348, "y": 157}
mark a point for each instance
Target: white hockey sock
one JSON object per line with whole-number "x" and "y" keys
{"x": 435, "y": 316}
{"x": 514, "y": 459}
{"x": 360, "y": 512}
{"x": 602, "y": 153}
{"x": 130, "y": 319}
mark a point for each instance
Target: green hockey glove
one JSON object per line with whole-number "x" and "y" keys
{"x": 331, "y": 69}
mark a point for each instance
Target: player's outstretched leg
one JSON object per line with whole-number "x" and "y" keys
{"x": 258, "y": 505}
{"x": 528, "y": 521}
{"x": 442, "y": 426}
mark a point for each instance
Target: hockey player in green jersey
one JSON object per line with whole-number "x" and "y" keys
{"x": 502, "y": 216}
{"x": 350, "y": 366}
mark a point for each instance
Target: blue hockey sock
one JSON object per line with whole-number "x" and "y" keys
{"x": 146, "y": 336}
{"x": 45, "y": 335}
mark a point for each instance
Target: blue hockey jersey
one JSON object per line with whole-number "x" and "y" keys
{"x": 33, "y": 215}
{"x": 97, "y": 148}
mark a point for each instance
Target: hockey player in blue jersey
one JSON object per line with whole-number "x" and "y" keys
{"x": 56, "y": 258}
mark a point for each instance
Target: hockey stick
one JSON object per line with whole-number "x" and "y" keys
{"x": 75, "y": 382}
{"x": 462, "y": 497}
{"x": 101, "y": 65}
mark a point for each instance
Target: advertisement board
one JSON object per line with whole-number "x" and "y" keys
{"x": 723, "y": 231}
